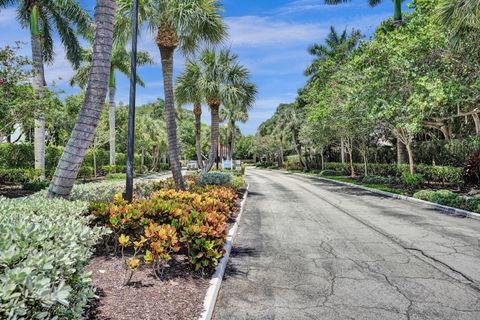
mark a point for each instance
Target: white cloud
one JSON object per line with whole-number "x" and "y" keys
{"x": 254, "y": 31}
{"x": 7, "y": 16}
{"x": 298, "y": 6}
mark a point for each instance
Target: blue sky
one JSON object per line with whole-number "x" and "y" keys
{"x": 270, "y": 36}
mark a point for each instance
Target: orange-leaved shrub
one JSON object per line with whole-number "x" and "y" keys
{"x": 169, "y": 221}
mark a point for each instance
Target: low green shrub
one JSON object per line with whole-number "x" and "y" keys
{"x": 215, "y": 179}
{"x": 412, "y": 180}
{"x": 390, "y": 180}
{"x": 113, "y": 169}
{"x": 96, "y": 192}
{"x": 44, "y": 246}
{"x": 424, "y": 195}
{"x": 86, "y": 172}
{"x": 449, "y": 198}
{"x": 116, "y": 176}
{"x": 19, "y": 175}
{"x": 331, "y": 173}
{"x": 36, "y": 185}
{"x": 163, "y": 166}
{"x": 238, "y": 182}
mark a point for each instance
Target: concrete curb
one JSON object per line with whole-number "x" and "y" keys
{"x": 444, "y": 209}
{"x": 216, "y": 281}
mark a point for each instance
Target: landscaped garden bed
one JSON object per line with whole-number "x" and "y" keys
{"x": 151, "y": 259}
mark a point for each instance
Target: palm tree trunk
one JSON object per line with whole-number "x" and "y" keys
{"x": 111, "y": 122}
{"x": 397, "y": 15}
{"x": 38, "y": 83}
{"x": 233, "y": 138}
{"x": 197, "y": 111}
{"x": 87, "y": 121}
{"x": 213, "y": 137}
{"x": 111, "y": 113}
{"x": 166, "y": 54}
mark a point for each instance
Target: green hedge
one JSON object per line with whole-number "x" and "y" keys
{"x": 449, "y": 198}
{"x": 432, "y": 174}
{"x": 44, "y": 247}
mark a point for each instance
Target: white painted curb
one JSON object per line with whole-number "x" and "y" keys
{"x": 445, "y": 209}
{"x": 216, "y": 281}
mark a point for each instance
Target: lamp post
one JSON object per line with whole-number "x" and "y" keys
{"x": 131, "y": 108}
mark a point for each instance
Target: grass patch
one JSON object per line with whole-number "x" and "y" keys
{"x": 368, "y": 185}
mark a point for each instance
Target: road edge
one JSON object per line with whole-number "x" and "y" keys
{"x": 216, "y": 280}
{"x": 444, "y": 209}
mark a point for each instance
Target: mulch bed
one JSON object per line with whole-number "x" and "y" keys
{"x": 14, "y": 191}
{"x": 178, "y": 296}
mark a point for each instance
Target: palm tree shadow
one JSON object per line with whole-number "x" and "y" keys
{"x": 239, "y": 254}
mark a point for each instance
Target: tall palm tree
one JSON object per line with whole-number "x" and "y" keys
{"x": 397, "y": 7}
{"x": 184, "y": 25}
{"x": 120, "y": 62}
{"x": 42, "y": 17}
{"x": 222, "y": 81}
{"x": 337, "y": 46}
{"x": 97, "y": 86}
{"x": 188, "y": 90}
{"x": 233, "y": 113}
{"x": 460, "y": 16}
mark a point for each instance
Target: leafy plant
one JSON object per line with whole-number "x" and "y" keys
{"x": 412, "y": 180}
{"x": 215, "y": 178}
{"x": 471, "y": 170}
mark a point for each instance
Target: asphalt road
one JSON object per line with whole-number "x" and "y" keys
{"x": 309, "y": 249}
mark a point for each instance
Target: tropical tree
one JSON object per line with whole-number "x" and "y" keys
{"x": 84, "y": 131}
{"x": 184, "y": 25}
{"x": 397, "y": 7}
{"x": 188, "y": 90}
{"x": 233, "y": 113}
{"x": 42, "y": 17}
{"x": 337, "y": 47}
{"x": 121, "y": 63}
{"x": 461, "y": 17}
{"x": 222, "y": 81}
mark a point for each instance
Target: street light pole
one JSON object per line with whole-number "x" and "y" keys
{"x": 131, "y": 108}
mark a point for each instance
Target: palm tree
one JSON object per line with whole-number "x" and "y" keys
{"x": 188, "y": 90}
{"x": 461, "y": 17}
{"x": 120, "y": 62}
{"x": 337, "y": 46}
{"x": 184, "y": 25}
{"x": 397, "y": 8}
{"x": 222, "y": 81}
{"x": 234, "y": 112}
{"x": 41, "y": 16}
{"x": 97, "y": 86}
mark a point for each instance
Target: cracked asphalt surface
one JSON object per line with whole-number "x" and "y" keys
{"x": 310, "y": 249}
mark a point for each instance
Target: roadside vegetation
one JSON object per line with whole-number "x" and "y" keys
{"x": 396, "y": 111}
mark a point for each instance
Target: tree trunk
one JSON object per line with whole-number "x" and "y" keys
{"x": 342, "y": 150}
{"x": 38, "y": 84}
{"x": 323, "y": 161}
{"x": 298, "y": 148}
{"x": 233, "y": 138}
{"x": 166, "y": 54}
{"x": 94, "y": 153}
{"x": 214, "y": 107}
{"x": 111, "y": 122}
{"x": 197, "y": 111}
{"x": 142, "y": 159}
{"x": 87, "y": 121}
{"x": 410, "y": 157}
{"x": 401, "y": 152}
{"x": 476, "y": 120}
{"x": 397, "y": 15}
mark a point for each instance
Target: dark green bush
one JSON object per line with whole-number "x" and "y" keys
{"x": 86, "y": 172}
{"x": 19, "y": 175}
{"x": 163, "y": 166}
{"x": 331, "y": 173}
{"x": 381, "y": 180}
{"x": 36, "y": 185}
{"x": 412, "y": 180}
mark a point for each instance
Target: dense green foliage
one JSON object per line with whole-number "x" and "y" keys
{"x": 44, "y": 245}
{"x": 408, "y": 89}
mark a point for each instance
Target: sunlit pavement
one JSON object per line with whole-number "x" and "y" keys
{"x": 309, "y": 249}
